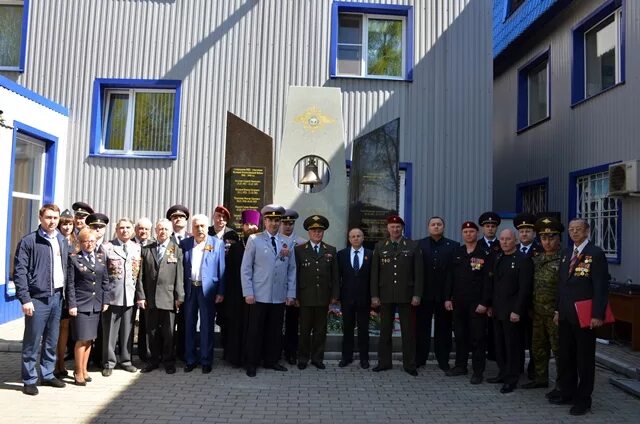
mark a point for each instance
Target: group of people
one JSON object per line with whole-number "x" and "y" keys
{"x": 269, "y": 291}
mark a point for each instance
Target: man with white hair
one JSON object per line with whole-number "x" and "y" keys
{"x": 204, "y": 267}
{"x": 142, "y": 230}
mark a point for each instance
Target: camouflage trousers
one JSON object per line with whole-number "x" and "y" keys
{"x": 544, "y": 341}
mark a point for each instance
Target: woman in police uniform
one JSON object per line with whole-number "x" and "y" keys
{"x": 87, "y": 291}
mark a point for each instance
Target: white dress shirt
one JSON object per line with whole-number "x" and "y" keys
{"x": 196, "y": 260}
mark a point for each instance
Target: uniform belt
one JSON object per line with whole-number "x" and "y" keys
{"x": 196, "y": 283}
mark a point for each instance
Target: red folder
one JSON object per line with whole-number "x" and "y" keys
{"x": 584, "y": 308}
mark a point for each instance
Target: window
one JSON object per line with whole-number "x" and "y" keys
{"x": 13, "y": 33}
{"x": 532, "y": 196}
{"x": 591, "y": 202}
{"x": 598, "y": 51}
{"x": 372, "y": 41}
{"x": 136, "y": 118}
{"x": 513, "y": 5}
{"x": 533, "y": 91}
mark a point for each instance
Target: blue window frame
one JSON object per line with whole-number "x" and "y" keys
{"x": 511, "y": 6}
{"x": 135, "y": 118}
{"x": 14, "y": 24}
{"x": 589, "y": 199}
{"x": 598, "y": 52}
{"x": 533, "y": 196}
{"x": 534, "y": 91}
{"x": 372, "y": 41}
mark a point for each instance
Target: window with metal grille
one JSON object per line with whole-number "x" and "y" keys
{"x": 534, "y": 198}
{"x": 601, "y": 211}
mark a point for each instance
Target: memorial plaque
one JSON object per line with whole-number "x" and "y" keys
{"x": 374, "y": 181}
{"x": 246, "y": 191}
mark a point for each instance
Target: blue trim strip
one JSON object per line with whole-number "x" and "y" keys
{"x": 572, "y": 209}
{"x": 33, "y": 96}
{"x": 523, "y": 89}
{"x": 100, "y": 85}
{"x": 338, "y": 7}
{"x": 51, "y": 143}
{"x": 520, "y": 187}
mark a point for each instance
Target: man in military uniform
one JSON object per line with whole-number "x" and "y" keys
{"x": 98, "y": 223}
{"x": 80, "y": 212}
{"x": 396, "y": 283}
{"x": 489, "y": 223}
{"x": 221, "y": 217}
{"x": 317, "y": 285}
{"x": 545, "y": 287}
{"x": 292, "y": 312}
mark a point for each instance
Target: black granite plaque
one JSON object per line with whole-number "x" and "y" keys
{"x": 246, "y": 191}
{"x": 374, "y": 181}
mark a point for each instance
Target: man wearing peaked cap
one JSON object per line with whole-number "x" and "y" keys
{"x": 396, "y": 282}
{"x": 81, "y": 210}
{"x": 317, "y": 286}
{"x": 292, "y": 312}
{"x": 489, "y": 223}
{"x": 268, "y": 275}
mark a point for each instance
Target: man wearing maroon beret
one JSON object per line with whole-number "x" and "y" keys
{"x": 220, "y": 218}
{"x": 396, "y": 284}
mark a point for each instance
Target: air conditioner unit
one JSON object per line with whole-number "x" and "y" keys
{"x": 624, "y": 178}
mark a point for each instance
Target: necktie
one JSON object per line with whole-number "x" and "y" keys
{"x": 316, "y": 248}
{"x": 574, "y": 260}
{"x": 90, "y": 258}
{"x": 395, "y": 245}
{"x": 356, "y": 260}
{"x": 524, "y": 250}
{"x": 124, "y": 248}
{"x": 160, "y": 251}
{"x": 273, "y": 243}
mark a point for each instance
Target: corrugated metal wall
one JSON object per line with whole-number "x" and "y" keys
{"x": 241, "y": 57}
{"x": 602, "y": 130}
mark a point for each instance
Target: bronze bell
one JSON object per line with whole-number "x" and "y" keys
{"x": 311, "y": 177}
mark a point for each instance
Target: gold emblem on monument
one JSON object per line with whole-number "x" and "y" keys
{"x": 313, "y": 118}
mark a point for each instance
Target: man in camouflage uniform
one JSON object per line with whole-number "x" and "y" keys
{"x": 545, "y": 332}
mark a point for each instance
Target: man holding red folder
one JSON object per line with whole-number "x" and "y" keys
{"x": 584, "y": 274}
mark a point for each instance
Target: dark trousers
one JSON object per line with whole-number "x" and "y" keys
{"x": 350, "y": 315}
{"x": 40, "y": 336}
{"x": 407, "y": 328}
{"x": 441, "y": 335}
{"x": 471, "y": 329}
{"x": 313, "y": 333}
{"x": 527, "y": 340}
{"x": 160, "y": 329}
{"x": 291, "y": 318}
{"x": 508, "y": 338}
{"x": 196, "y": 303}
{"x": 577, "y": 362}
{"x": 117, "y": 327}
{"x": 179, "y": 335}
{"x": 264, "y": 333}
{"x": 143, "y": 341}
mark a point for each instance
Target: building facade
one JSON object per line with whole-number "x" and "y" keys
{"x": 565, "y": 92}
{"x": 148, "y": 84}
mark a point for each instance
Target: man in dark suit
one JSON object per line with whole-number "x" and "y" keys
{"x": 437, "y": 254}
{"x": 354, "y": 265}
{"x": 584, "y": 274}
{"x": 396, "y": 283}
{"x": 160, "y": 292}
{"x": 178, "y": 215}
{"x": 512, "y": 286}
{"x": 489, "y": 222}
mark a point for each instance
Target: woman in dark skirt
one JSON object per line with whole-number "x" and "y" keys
{"x": 87, "y": 295}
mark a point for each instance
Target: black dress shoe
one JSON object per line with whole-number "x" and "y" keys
{"x": 379, "y": 368}
{"x": 30, "y": 389}
{"x": 318, "y": 365}
{"x": 343, "y": 363}
{"x": 251, "y": 372}
{"x": 507, "y": 388}
{"x": 364, "y": 364}
{"x": 189, "y": 367}
{"x": 411, "y": 372}
{"x": 495, "y": 380}
{"x": 552, "y": 393}
{"x": 560, "y": 400}
{"x": 206, "y": 369}
{"x": 278, "y": 367}
{"x": 129, "y": 368}
{"x": 456, "y": 371}
{"x": 170, "y": 369}
{"x": 291, "y": 359}
{"x": 579, "y": 409}
{"x": 53, "y": 382}
{"x": 476, "y": 379}
{"x": 61, "y": 374}
{"x": 302, "y": 365}
{"x": 445, "y": 368}
{"x": 149, "y": 368}
{"x": 106, "y": 372}
{"x": 534, "y": 385}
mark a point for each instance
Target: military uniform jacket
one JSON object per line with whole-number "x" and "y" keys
{"x": 469, "y": 277}
{"x": 87, "y": 284}
{"x": 161, "y": 282}
{"x": 397, "y": 274}
{"x": 512, "y": 285}
{"x": 268, "y": 276}
{"x": 545, "y": 282}
{"x": 589, "y": 280}
{"x": 534, "y": 250}
{"x": 318, "y": 278}
{"x": 123, "y": 271}
{"x": 493, "y": 247}
{"x": 437, "y": 256}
